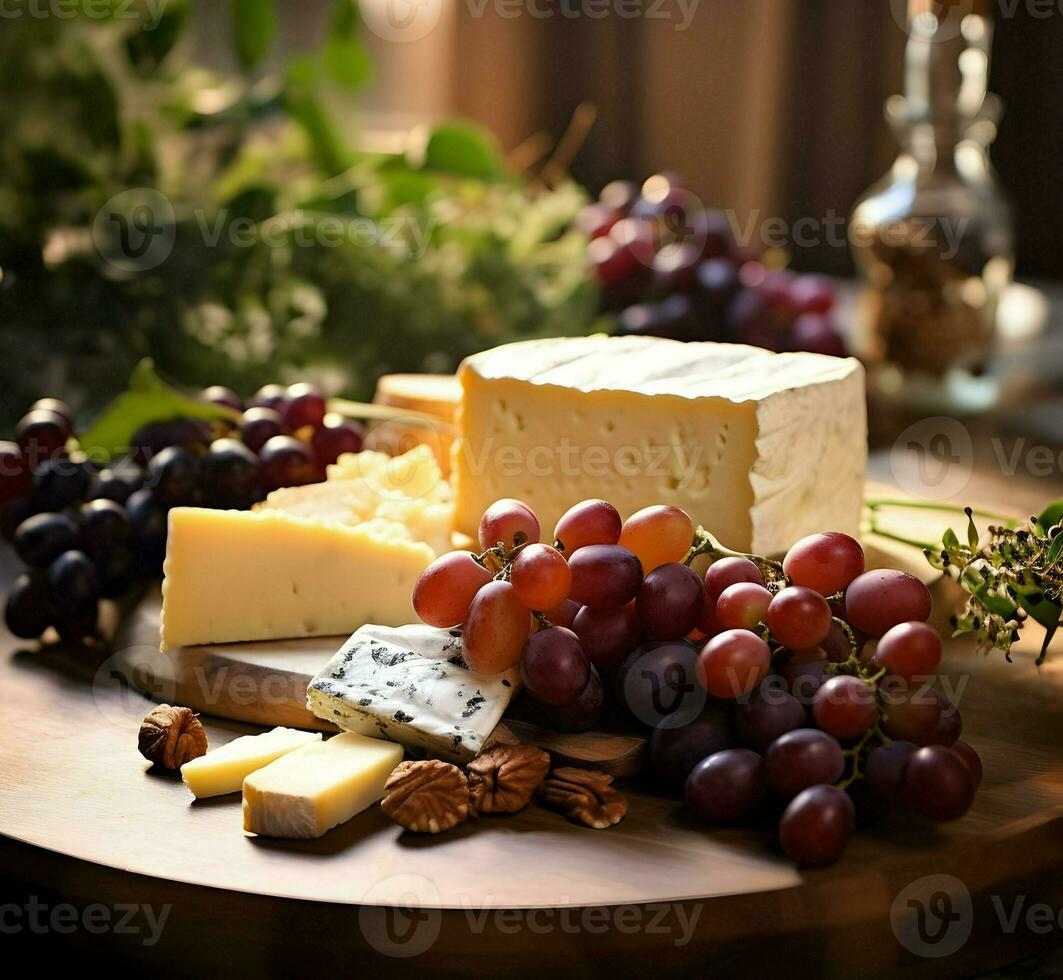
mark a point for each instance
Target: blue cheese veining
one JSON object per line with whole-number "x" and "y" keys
{"x": 410, "y": 685}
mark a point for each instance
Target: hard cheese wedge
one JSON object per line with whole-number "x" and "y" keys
{"x": 237, "y": 575}
{"x": 761, "y": 448}
{"x": 312, "y": 789}
{"x": 410, "y": 685}
{"x": 223, "y": 770}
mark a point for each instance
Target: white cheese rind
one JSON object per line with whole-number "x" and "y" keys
{"x": 760, "y": 448}
{"x": 410, "y": 685}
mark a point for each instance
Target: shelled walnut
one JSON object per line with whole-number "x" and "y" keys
{"x": 504, "y": 778}
{"x": 426, "y": 797}
{"x": 585, "y": 796}
{"x": 170, "y": 736}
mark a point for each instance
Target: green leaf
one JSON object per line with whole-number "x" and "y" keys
{"x": 254, "y": 28}
{"x": 972, "y": 532}
{"x": 1052, "y": 514}
{"x": 149, "y": 43}
{"x": 999, "y": 605}
{"x": 148, "y": 399}
{"x": 1033, "y": 600}
{"x": 950, "y": 541}
{"x": 460, "y": 147}
{"x": 345, "y": 57}
{"x": 302, "y": 99}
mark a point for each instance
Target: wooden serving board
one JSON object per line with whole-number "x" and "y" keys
{"x": 265, "y": 682}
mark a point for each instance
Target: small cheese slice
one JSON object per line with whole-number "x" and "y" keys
{"x": 222, "y": 770}
{"x": 309, "y": 791}
{"x": 760, "y": 448}
{"x": 411, "y": 685}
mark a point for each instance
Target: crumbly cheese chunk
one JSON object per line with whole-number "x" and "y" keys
{"x": 223, "y": 770}
{"x": 760, "y": 448}
{"x": 411, "y": 685}
{"x": 309, "y": 791}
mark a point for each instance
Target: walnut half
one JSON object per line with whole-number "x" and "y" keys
{"x": 426, "y": 797}
{"x": 171, "y": 736}
{"x": 505, "y": 777}
{"x": 584, "y": 796}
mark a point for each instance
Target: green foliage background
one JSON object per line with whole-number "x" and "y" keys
{"x": 100, "y": 103}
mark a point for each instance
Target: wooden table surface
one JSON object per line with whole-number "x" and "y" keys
{"x": 85, "y": 824}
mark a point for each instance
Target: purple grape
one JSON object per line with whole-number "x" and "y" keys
{"x": 803, "y": 758}
{"x": 767, "y": 715}
{"x": 604, "y": 575}
{"x": 220, "y": 395}
{"x": 816, "y": 333}
{"x": 884, "y": 769}
{"x": 306, "y": 406}
{"x": 583, "y": 714}
{"x": 726, "y": 786}
{"x": 657, "y": 683}
{"x": 675, "y": 751}
{"x": 607, "y": 634}
{"x": 287, "y": 462}
{"x": 817, "y": 825}
{"x": 670, "y": 601}
{"x": 554, "y": 667}
{"x": 259, "y": 425}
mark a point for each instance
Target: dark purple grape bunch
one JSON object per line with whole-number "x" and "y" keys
{"x": 668, "y": 267}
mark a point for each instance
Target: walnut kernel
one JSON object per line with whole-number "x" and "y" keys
{"x": 170, "y": 736}
{"x": 427, "y": 797}
{"x": 584, "y": 796}
{"x": 504, "y": 778}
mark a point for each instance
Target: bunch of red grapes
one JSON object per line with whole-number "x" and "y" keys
{"x": 669, "y": 268}
{"x": 803, "y": 687}
{"x": 87, "y": 532}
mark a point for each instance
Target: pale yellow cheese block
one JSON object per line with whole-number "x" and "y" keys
{"x": 224, "y": 769}
{"x": 760, "y": 448}
{"x": 232, "y": 576}
{"x": 309, "y": 791}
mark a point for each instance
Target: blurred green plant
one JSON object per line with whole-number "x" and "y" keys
{"x": 295, "y": 250}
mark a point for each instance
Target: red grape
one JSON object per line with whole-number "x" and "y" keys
{"x": 220, "y": 395}
{"x": 845, "y": 707}
{"x": 670, "y": 601}
{"x": 674, "y": 751}
{"x": 611, "y": 261}
{"x": 742, "y": 605}
{"x": 799, "y": 618}
{"x": 949, "y": 724}
{"x": 938, "y": 784}
{"x": 27, "y": 612}
{"x": 657, "y": 683}
{"x": 588, "y": 522}
{"x": 726, "y": 786}
{"x": 259, "y": 425}
{"x": 816, "y": 826}
{"x": 884, "y": 769}
{"x": 733, "y": 663}
{"x": 658, "y": 534}
{"x": 878, "y": 600}
{"x": 836, "y": 644}
{"x": 286, "y": 462}
{"x": 54, "y": 405}
{"x": 725, "y": 572}
{"x": 804, "y": 674}
{"x": 912, "y": 710}
{"x": 909, "y": 650}
{"x": 496, "y": 629}
{"x": 41, "y": 434}
{"x": 540, "y": 576}
{"x": 816, "y": 333}
{"x": 604, "y": 575}
{"x": 446, "y": 588}
{"x": 973, "y": 761}
{"x": 825, "y": 562}
{"x": 554, "y": 667}
{"x": 608, "y": 634}
{"x": 803, "y": 758}
{"x": 14, "y": 474}
{"x": 271, "y": 396}
{"x": 335, "y": 437}
{"x": 596, "y": 219}
{"x": 619, "y": 195}
{"x": 510, "y": 522}
{"x": 582, "y": 714}
{"x": 812, "y": 294}
{"x": 564, "y": 613}
{"x": 708, "y": 625}
{"x": 306, "y": 406}
{"x": 767, "y": 715}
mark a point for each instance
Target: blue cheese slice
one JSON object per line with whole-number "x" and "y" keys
{"x": 410, "y": 685}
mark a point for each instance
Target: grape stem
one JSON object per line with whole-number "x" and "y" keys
{"x": 705, "y": 544}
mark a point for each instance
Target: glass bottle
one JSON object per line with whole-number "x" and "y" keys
{"x": 933, "y": 239}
